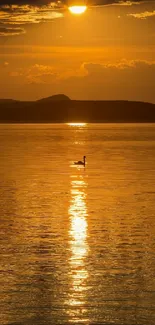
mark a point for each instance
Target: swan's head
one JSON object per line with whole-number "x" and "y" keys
{"x": 84, "y": 157}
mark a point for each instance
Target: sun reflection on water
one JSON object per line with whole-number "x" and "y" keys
{"x": 78, "y": 248}
{"x": 77, "y": 124}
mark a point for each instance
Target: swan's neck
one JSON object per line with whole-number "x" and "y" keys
{"x": 84, "y": 158}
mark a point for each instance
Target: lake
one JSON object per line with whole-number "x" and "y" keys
{"x": 77, "y": 245}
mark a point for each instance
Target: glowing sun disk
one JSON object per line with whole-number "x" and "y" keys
{"x": 77, "y": 10}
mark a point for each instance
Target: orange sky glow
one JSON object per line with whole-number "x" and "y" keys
{"x": 108, "y": 52}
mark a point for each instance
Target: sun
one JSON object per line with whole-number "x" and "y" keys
{"x": 77, "y": 10}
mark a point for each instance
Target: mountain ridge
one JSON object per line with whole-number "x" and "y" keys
{"x": 57, "y": 97}
{"x": 60, "y": 109}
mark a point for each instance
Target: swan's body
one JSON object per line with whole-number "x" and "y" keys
{"x": 81, "y": 163}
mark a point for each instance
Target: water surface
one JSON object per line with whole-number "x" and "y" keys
{"x": 77, "y": 245}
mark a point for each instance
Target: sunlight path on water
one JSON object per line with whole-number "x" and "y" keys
{"x": 78, "y": 247}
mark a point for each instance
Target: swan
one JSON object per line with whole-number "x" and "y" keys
{"x": 82, "y": 163}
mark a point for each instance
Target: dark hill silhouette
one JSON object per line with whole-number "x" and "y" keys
{"x": 59, "y": 108}
{"x": 7, "y": 100}
{"x": 59, "y": 97}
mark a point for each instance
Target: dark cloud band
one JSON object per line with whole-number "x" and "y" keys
{"x": 46, "y": 2}
{"x": 24, "y": 2}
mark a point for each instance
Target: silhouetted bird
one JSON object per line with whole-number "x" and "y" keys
{"x": 82, "y": 163}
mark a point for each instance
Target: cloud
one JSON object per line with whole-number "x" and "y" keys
{"x": 40, "y": 74}
{"x": 97, "y": 67}
{"x": 27, "y": 5}
{"x": 45, "y": 74}
{"x": 143, "y": 15}
{"x": 46, "y": 2}
{"x": 123, "y": 3}
{"x": 37, "y": 74}
{"x": 130, "y": 80}
{"x": 11, "y": 4}
{"x": 23, "y": 2}
{"x": 125, "y": 79}
{"x": 6, "y": 31}
{"x": 120, "y": 2}
{"x": 122, "y": 65}
{"x": 21, "y": 15}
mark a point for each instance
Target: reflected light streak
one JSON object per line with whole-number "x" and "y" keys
{"x": 77, "y": 124}
{"x": 78, "y": 247}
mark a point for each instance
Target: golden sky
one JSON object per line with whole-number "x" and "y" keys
{"x": 106, "y": 53}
